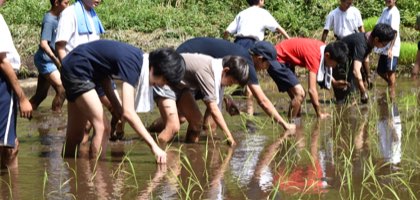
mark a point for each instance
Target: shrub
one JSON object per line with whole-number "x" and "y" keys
{"x": 408, "y": 53}
{"x": 369, "y": 23}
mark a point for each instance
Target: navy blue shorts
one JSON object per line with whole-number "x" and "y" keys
{"x": 246, "y": 42}
{"x": 385, "y": 65}
{"x": 284, "y": 77}
{"x": 8, "y": 114}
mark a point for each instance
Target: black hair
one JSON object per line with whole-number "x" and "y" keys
{"x": 168, "y": 63}
{"x": 383, "y": 32}
{"x": 53, "y": 2}
{"x": 253, "y": 2}
{"x": 338, "y": 51}
{"x": 238, "y": 68}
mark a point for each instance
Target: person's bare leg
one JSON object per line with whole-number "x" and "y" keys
{"x": 9, "y": 156}
{"x": 249, "y": 102}
{"x": 91, "y": 106}
{"x": 416, "y": 68}
{"x": 41, "y": 92}
{"x": 60, "y": 95}
{"x": 169, "y": 118}
{"x": 189, "y": 108}
{"x": 209, "y": 125}
{"x": 297, "y": 95}
{"x": 391, "y": 85}
{"x": 76, "y": 123}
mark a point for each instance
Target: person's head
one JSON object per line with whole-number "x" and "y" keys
{"x": 90, "y": 3}
{"x": 264, "y": 55}
{"x": 259, "y": 3}
{"x": 235, "y": 71}
{"x": 345, "y": 4}
{"x": 59, "y": 5}
{"x": 335, "y": 53}
{"x": 390, "y": 3}
{"x": 166, "y": 67}
{"x": 381, "y": 35}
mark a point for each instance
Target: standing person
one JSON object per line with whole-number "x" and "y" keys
{"x": 259, "y": 57}
{"x": 12, "y": 97}
{"x": 360, "y": 46}
{"x": 346, "y": 20}
{"x": 315, "y": 56}
{"x": 388, "y": 60}
{"x": 46, "y": 60}
{"x": 416, "y": 68}
{"x": 205, "y": 78}
{"x": 96, "y": 63}
{"x": 250, "y": 24}
{"x": 79, "y": 24}
{"x": 249, "y": 27}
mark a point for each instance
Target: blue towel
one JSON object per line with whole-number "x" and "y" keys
{"x": 83, "y": 22}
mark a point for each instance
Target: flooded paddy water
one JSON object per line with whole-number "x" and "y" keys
{"x": 362, "y": 152}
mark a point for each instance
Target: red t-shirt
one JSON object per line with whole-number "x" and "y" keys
{"x": 303, "y": 52}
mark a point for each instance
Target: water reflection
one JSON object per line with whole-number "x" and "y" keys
{"x": 389, "y": 131}
{"x": 9, "y": 184}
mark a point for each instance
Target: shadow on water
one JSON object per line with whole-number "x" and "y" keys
{"x": 362, "y": 152}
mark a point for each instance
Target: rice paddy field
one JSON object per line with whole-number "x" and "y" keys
{"x": 362, "y": 152}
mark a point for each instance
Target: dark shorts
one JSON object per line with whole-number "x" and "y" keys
{"x": 76, "y": 77}
{"x": 385, "y": 65}
{"x": 8, "y": 114}
{"x": 284, "y": 77}
{"x": 418, "y": 46}
{"x": 246, "y": 42}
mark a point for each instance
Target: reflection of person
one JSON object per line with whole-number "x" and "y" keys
{"x": 389, "y": 132}
{"x": 416, "y": 68}
{"x": 387, "y": 64}
{"x": 205, "y": 78}
{"x": 46, "y": 61}
{"x": 261, "y": 56}
{"x": 95, "y": 63}
{"x": 12, "y": 97}
{"x": 315, "y": 56}
{"x": 360, "y": 46}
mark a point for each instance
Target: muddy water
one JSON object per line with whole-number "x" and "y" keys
{"x": 362, "y": 152}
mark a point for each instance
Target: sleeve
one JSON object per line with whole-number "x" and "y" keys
{"x": 329, "y": 21}
{"x": 47, "y": 30}
{"x": 270, "y": 22}
{"x": 3, "y": 35}
{"x": 233, "y": 26}
{"x": 395, "y": 21}
{"x": 359, "y": 53}
{"x": 66, "y": 25}
{"x": 253, "y": 78}
{"x": 206, "y": 85}
{"x": 359, "y": 20}
{"x": 312, "y": 63}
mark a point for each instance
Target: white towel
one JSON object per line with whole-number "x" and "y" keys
{"x": 324, "y": 73}
{"x": 217, "y": 67}
{"x": 143, "y": 101}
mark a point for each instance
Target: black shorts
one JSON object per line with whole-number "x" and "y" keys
{"x": 385, "y": 65}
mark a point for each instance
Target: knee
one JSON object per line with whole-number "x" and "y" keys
{"x": 173, "y": 127}
{"x": 299, "y": 94}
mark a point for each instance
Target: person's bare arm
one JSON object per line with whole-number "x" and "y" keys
{"x": 361, "y": 29}
{"x": 283, "y": 32}
{"x": 220, "y": 121}
{"x": 313, "y": 93}
{"x": 268, "y": 107}
{"x": 226, "y": 35}
{"x": 60, "y": 47}
{"x": 324, "y": 35}
{"x": 6, "y": 68}
{"x": 357, "y": 65}
{"x": 130, "y": 115}
{"x": 46, "y": 48}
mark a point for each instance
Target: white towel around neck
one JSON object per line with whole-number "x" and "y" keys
{"x": 143, "y": 101}
{"x": 217, "y": 67}
{"x": 324, "y": 71}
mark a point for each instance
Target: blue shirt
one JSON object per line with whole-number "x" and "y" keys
{"x": 104, "y": 58}
{"x": 48, "y": 32}
{"x": 219, "y": 48}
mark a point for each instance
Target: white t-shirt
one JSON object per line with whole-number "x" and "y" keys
{"x": 68, "y": 31}
{"x": 7, "y": 46}
{"x": 344, "y": 23}
{"x": 392, "y": 18}
{"x": 252, "y": 22}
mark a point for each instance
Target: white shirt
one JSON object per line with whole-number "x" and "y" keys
{"x": 344, "y": 23}
{"x": 252, "y": 22}
{"x": 7, "y": 46}
{"x": 392, "y": 18}
{"x": 68, "y": 31}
